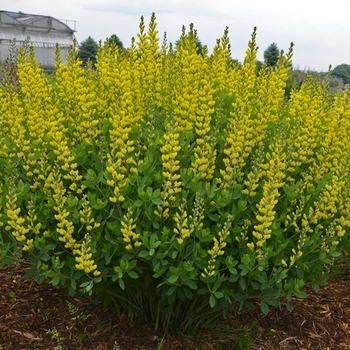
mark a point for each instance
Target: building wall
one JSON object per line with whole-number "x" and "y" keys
{"x": 44, "y": 43}
{"x": 44, "y": 55}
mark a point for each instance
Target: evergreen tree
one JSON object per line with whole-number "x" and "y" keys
{"x": 88, "y": 50}
{"x": 114, "y": 40}
{"x": 271, "y": 54}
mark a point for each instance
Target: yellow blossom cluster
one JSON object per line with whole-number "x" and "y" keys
{"x": 185, "y": 100}
{"x": 123, "y": 113}
{"x": 65, "y": 227}
{"x": 129, "y": 236}
{"x": 275, "y": 175}
{"x": 305, "y": 113}
{"x": 83, "y": 257}
{"x": 196, "y": 219}
{"x": 86, "y": 217}
{"x": 148, "y": 63}
{"x": 204, "y": 151}
{"x": 217, "y": 250}
{"x": 221, "y": 66}
{"x": 16, "y": 223}
{"x": 172, "y": 184}
{"x": 181, "y": 228}
{"x": 117, "y": 160}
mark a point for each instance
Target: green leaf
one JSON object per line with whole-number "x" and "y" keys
{"x": 100, "y": 177}
{"x": 202, "y": 291}
{"x": 157, "y": 201}
{"x": 242, "y": 204}
{"x": 56, "y": 280}
{"x": 156, "y": 225}
{"x": 291, "y": 191}
{"x": 271, "y": 293}
{"x": 171, "y": 291}
{"x": 156, "y": 193}
{"x": 192, "y": 284}
{"x": 73, "y": 284}
{"x": 212, "y": 301}
{"x": 242, "y": 283}
{"x": 138, "y": 203}
{"x": 172, "y": 279}
{"x": 121, "y": 284}
{"x": 143, "y": 254}
{"x": 289, "y": 306}
{"x": 218, "y": 295}
{"x": 272, "y": 301}
{"x": 31, "y": 273}
{"x": 232, "y": 270}
{"x": 336, "y": 254}
{"x": 213, "y": 217}
{"x": 255, "y": 285}
{"x": 50, "y": 274}
{"x": 132, "y": 274}
{"x": 188, "y": 293}
{"x": 237, "y": 192}
{"x": 234, "y": 278}
{"x": 300, "y": 294}
{"x": 264, "y": 307}
{"x": 149, "y": 192}
{"x": 100, "y": 204}
{"x": 71, "y": 292}
{"x": 45, "y": 257}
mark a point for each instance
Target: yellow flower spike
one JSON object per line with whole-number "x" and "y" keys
{"x": 219, "y": 245}
{"x": 84, "y": 257}
{"x": 128, "y": 226}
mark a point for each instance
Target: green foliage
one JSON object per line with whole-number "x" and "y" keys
{"x": 88, "y": 50}
{"x": 343, "y": 72}
{"x": 271, "y": 54}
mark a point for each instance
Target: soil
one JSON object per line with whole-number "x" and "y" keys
{"x": 36, "y": 316}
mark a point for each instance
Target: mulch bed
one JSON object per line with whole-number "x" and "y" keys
{"x": 36, "y": 316}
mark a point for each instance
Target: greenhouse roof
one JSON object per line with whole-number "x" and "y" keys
{"x": 42, "y": 30}
{"x": 33, "y": 22}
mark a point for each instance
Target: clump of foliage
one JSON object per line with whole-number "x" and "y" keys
{"x": 343, "y": 72}
{"x": 174, "y": 186}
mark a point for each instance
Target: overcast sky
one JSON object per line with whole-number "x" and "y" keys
{"x": 319, "y": 30}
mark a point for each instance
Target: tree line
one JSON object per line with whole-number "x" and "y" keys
{"x": 88, "y": 50}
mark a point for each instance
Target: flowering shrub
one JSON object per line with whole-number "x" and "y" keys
{"x": 171, "y": 184}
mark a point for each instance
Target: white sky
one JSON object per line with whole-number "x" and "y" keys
{"x": 319, "y": 30}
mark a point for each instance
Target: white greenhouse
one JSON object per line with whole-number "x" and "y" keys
{"x": 44, "y": 33}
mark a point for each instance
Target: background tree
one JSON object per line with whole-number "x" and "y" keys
{"x": 271, "y": 54}
{"x": 259, "y": 65}
{"x": 88, "y": 50}
{"x": 343, "y": 72}
{"x": 113, "y": 39}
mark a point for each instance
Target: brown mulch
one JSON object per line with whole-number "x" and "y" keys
{"x": 41, "y": 317}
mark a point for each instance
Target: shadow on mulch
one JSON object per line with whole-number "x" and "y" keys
{"x": 41, "y": 317}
